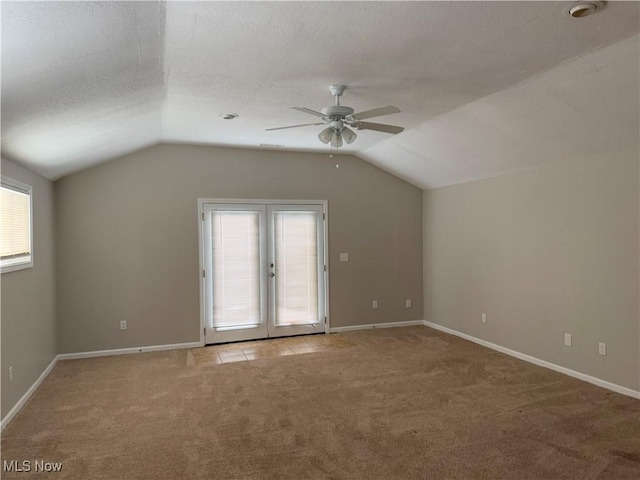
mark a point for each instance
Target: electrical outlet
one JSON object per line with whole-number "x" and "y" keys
{"x": 344, "y": 257}
{"x": 567, "y": 339}
{"x": 407, "y": 303}
{"x": 602, "y": 348}
{"x": 10, "y": 374}
{"x": 123, "y": 325}
{"x": 375, "y": 304}
{"x": 484, "y": 318}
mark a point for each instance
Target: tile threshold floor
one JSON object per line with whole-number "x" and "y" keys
{"x": 267, "y": 348}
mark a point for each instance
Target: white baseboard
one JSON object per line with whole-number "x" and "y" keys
{"x": 536, "y": 361}
{"x": 126, "y": 351}
{"x": 27, "y": 395}
{"x": 368, "y": 326}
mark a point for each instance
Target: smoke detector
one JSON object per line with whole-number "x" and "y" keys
{"x": 584, "y": 9}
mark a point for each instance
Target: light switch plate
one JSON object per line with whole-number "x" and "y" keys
{"x": 344, "y": 257}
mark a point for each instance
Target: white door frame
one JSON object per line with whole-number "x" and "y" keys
{"x": 203, "y": 201}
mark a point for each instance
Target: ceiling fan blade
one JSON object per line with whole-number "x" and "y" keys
{"x": 348, "y": 135}
{"x": 294, "y": 126}
{"x": 308, "y": 110}
{"x": 336, "y": 140}
{"x": 376, "y": 112}
{"x": 379, "y": 127}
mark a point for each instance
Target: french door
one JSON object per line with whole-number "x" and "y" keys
{"x": 264, "y": 272}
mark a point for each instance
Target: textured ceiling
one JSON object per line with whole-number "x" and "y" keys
{"x": 484, "y": 87}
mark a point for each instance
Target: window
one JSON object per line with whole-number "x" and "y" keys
{"x": 16, "y": 239}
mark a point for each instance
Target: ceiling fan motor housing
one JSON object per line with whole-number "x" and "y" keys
{"x": 336, "y": 111}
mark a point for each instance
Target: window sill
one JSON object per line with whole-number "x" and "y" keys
{"x": 16, "y": 266}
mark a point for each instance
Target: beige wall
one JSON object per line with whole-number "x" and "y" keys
{"x": 29, "y": 297}
{"x": 128, "y": 239}
{"x": 542, "y": 252}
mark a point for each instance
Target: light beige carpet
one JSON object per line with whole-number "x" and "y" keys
{"x": 398, "y": 403}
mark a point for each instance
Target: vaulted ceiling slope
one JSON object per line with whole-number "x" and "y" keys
{"x": 484, "y": 87}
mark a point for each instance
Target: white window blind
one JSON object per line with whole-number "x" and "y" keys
{"x": 236, "y": 268}
{"x": 296, "y": 251}
{"x": 15, "y": 225}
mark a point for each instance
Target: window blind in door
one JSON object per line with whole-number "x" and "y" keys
{"x": 236, "y": 268}
{"x": 296, "y": 252}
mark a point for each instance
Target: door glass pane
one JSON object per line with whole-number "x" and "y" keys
{"x": 296, "y": 260}
{"x": 236, "y": 269}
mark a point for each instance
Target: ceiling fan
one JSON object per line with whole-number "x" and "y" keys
{"x": 338, "y": 117}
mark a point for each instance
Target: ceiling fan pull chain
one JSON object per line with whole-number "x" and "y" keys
{"x": 331, "y": 155}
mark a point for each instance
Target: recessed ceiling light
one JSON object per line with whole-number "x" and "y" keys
{"x": 230, "y": 116}
{"x": 271, "y": 145}
{"x": 584, "y": 9}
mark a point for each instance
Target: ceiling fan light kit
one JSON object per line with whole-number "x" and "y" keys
{"x": 348, "y": 135}
{"x": 340, "y": 117}
{"x": 325, "y": 135}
